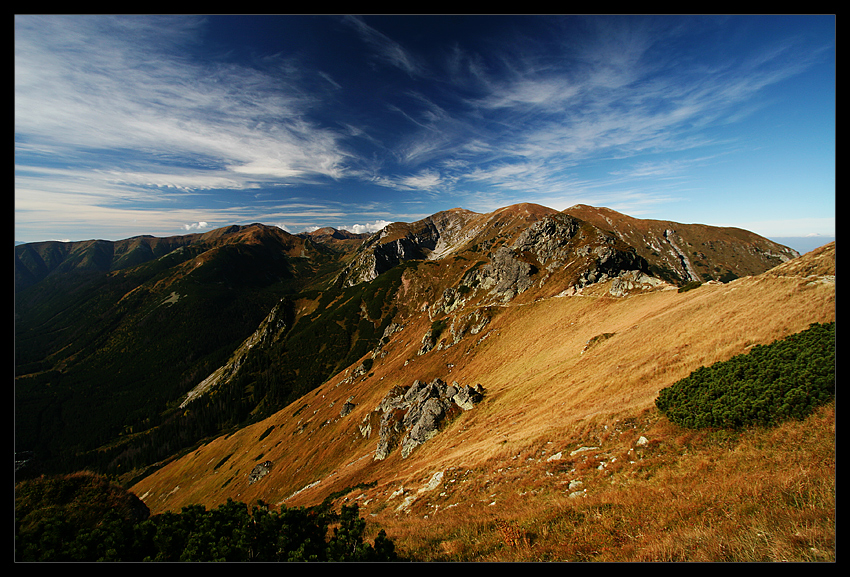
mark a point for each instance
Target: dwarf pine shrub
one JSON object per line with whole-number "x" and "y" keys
{"x": 784, "y": 380}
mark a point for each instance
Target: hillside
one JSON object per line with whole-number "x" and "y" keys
{"x": 569, "y": 381}
{"x": 248, "y": 363}
{"x": 105, "y": 346}
{"x": 689, "y": 252}
{"x": 114, "y": 338}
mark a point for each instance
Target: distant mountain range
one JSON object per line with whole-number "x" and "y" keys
{"x": 801, "y": 244}
{"x": 112, "y": 339}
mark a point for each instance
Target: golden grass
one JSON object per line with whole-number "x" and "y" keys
{"x": 684, "y": 495}
{"x": 707, "y": 496}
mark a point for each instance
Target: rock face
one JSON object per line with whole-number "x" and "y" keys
{"x": 554, "y": 243}
{"x": 410, "y": 416}
{"x": 506, "y": 275}
{"x": 430, "y": 238}
{"x": 549, "y": 239}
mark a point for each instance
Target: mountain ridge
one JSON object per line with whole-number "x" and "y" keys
{"x": 35, "y": 260}
{"x": 689, "y": 245}
{"x": 532, "y": 366}
{"x": 457, "y": 267}
{"x": 505, "y": 333}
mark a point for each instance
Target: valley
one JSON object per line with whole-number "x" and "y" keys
{"x": 570, "y": 324}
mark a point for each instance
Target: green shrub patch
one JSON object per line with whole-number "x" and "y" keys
{"x": 786, "y": 379}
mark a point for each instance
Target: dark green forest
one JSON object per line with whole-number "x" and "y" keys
{"x": 83, "y": 517}
{"x": 102, "y": 363}
{"x": 786, "y": 379}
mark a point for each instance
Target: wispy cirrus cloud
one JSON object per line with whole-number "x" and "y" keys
{"x": 387, "y": 50}
{"x": 86, "y": 85}
{"x": 170, "y": 117}
{"x": 616, "y": 96}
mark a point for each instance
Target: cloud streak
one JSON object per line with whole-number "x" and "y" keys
{"x": 82, "y": 88}
{"x": 141, "y": 114}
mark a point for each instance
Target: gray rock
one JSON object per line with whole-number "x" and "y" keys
{"x": 389, "y": 432}
{"x": 259, "y": 472}
{"x": 411, "y": 417}
{"x": 428, "y": 343}
{"x": 468, "y": 397}
{"x": 548, "y": 239}
{"x": 506, "y": 275}
{"x": 424, "y": 425}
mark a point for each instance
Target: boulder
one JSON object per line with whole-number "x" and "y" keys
{"x": 467, "y": 397}
{"x": 259, "y": 472}
{"x": 424, "y": 425}
{"x": 410, "y": 417}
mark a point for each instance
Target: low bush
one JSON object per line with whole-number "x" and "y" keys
{"x": 786, "y": 379}
{"x": 690, "y": 286}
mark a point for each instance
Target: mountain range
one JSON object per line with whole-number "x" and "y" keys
{"x": 251, "y": 363}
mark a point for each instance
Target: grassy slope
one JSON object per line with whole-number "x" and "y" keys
{"x": 757, "y": 495}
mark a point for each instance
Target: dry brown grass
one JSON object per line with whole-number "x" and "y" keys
{"x": 685, "y": 495}
{"x": 759, "y": 495}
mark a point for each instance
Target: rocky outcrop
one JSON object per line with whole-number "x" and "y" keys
{"x": 554, "y": 243}
{"x": 634, "y": 280}
{"x": 429, "y": 238}
{"x": 506, "y": 276}
{"x": 269, "y": 331}
{"x": 471, "y": 323}
{"x": 549, "y": 240}
{"x": 411, "y": 416}
{"x": 610, "y": 261}
{"x": 429, "y": 339}
{"x": 376, "y": 257}
{"x": 259, "y": 472}
{"x": 347, "y": 407}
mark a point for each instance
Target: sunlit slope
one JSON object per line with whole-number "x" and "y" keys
{"x": 542, "y": 371}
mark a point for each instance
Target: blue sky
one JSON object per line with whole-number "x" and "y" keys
{"x": 129, "y": 125}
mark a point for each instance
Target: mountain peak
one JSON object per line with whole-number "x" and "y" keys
{"x": 527, "y": 208}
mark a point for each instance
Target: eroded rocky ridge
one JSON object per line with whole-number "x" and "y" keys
{"x": 269, "y": 331}
{"x": 681, "y": 253}
{"x": 522, "y": 247}
{"x": 558, "y": 243}
{"x": 409, "y": 416}
{"x": 429, "y": 238}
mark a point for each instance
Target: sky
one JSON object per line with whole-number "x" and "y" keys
{"x": 163, "y": 125}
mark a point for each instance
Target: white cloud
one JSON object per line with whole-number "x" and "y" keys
{"x": 368, "y": 227}
{"x": 425, "y": 180}
{"x": 200, "y": 225}
{"x": 523, "y": 124}
{"x": 92, "y": 83}
{"x": 387, "y": 49}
